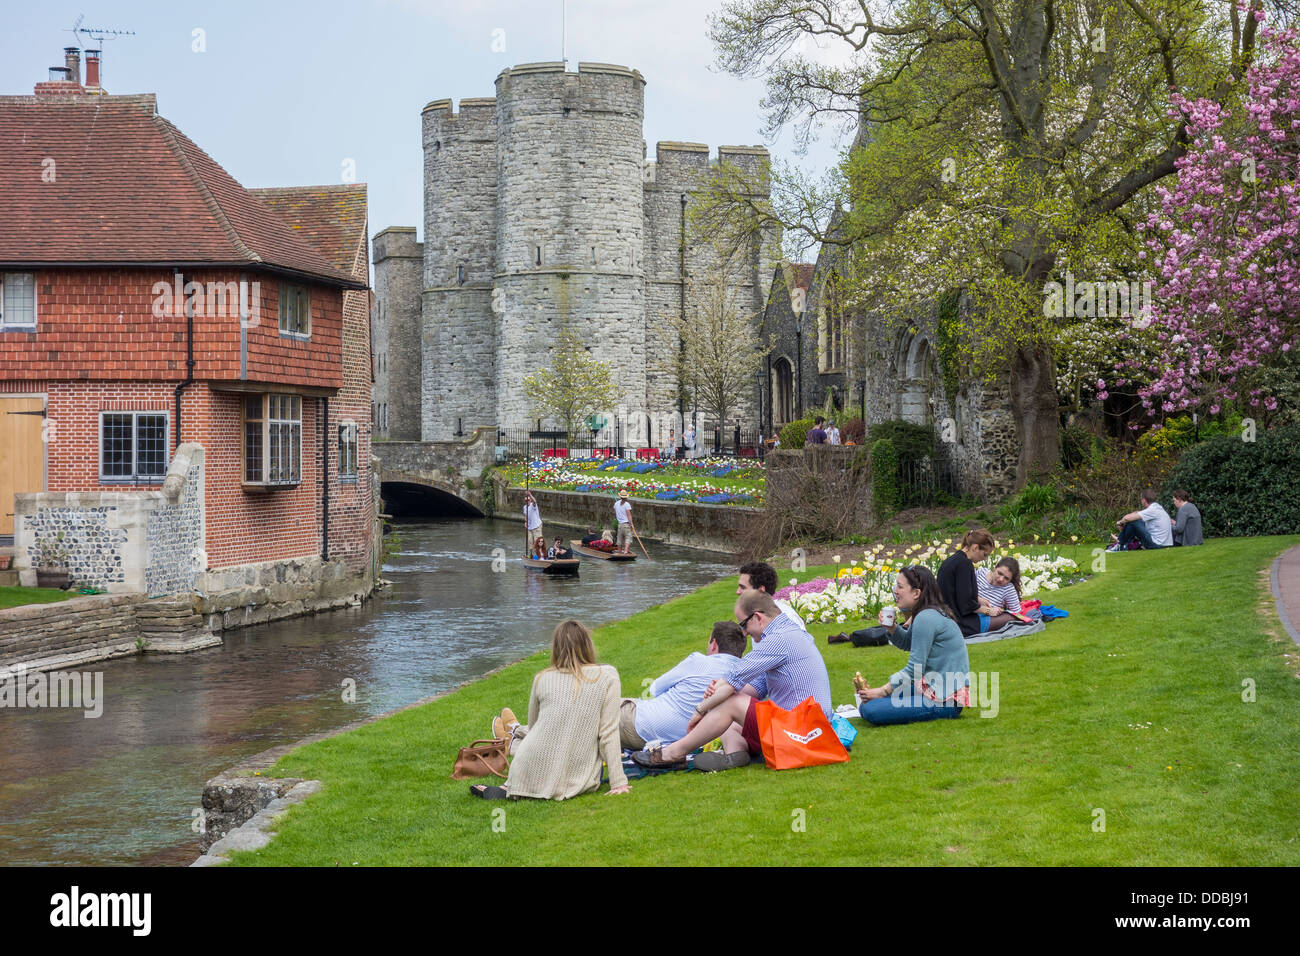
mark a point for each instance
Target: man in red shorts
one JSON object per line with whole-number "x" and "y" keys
{"x": 785, "y": 666}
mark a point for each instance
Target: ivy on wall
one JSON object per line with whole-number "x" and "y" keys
{"x": 947, "y": 329}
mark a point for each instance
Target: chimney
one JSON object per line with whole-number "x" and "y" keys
{"x": 72, "y": 59}
{"x": 92, "y": 69}
{"x": 58, "y": 74}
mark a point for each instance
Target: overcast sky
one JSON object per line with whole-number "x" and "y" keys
{"x": 285, "y": 92}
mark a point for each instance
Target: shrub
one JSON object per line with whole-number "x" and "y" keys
{"x": 1113, "y": 485}
{"x": 794, "y": 434}
{"x": 1079, "y": 446}
{"x": 853, "y": 432}
{"x": 885, "y": 492}
{"x": 1032, "y": 502}
{"x": 910, "y": 442}
{"x": 1244, "y": 488}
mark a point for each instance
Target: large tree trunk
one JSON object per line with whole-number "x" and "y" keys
{"x": 1034, "y": 405}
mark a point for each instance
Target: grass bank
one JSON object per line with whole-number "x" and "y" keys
{"x": 17, "y": 597}
{"x": 1133, "y": 706}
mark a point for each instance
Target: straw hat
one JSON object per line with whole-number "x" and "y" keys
{"x": 623, "y": 493}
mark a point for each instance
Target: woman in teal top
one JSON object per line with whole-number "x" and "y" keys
{"x": 936, "y": 680}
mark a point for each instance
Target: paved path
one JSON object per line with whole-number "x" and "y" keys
{"x": 1286, "y": 590}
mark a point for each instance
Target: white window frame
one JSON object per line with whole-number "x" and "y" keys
{"x": 267, "y": 423}
{"x": 288, "y": 290}
{"x": 18, "y": 326}
{"x": 135, "y": 478}
{"x": 348, "y": 442}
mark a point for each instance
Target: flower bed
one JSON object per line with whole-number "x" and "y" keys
{"x": 860, "y": 590}
{"x": 675, "y": 481}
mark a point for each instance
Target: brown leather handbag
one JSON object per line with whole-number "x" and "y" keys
{"x": 481, "y": 758}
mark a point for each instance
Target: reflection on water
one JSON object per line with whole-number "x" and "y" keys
{"x": 122, "y": 788}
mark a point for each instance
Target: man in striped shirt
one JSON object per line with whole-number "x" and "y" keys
{"x": 784, "y": 664}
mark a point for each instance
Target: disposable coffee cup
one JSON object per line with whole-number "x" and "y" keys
{"x": 888, "y": 616}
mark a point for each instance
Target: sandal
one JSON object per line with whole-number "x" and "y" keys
{"x": 652, "y": 758}
{"x": 488, "y": 793}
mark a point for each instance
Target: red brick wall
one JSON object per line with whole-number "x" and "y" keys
{"x": 99, "y": 324}
{"x": 245, "y": 527}
{"x": 72, "y": 420}
{"x": 351, "y": 502}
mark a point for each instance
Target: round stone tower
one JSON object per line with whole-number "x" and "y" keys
{"x": 569, "y": 241}
{"x": 460, "y": 212}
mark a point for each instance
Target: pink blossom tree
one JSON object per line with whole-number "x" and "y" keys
{"x": 1225, "y": 245}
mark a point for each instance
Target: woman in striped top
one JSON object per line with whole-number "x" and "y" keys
{"x": 1000, "y": 588}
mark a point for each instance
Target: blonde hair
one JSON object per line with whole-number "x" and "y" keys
{"x": 572, "y": 651}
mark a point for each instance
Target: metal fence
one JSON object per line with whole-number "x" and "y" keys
{"x": 924, "y": 481}
{"x": 533, "y": 443}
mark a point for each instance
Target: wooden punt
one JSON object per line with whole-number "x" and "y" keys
{"x": 581, "y": 548}
{"x": 558, "y": 566}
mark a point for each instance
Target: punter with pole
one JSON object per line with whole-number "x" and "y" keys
{"x": 532, "y": 519}
{"x": 623, "y": 512}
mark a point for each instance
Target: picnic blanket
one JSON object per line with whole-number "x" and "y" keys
{"x": 1010, "y": 630}
{"x": 635, "y": 771}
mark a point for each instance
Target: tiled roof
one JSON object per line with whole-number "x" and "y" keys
{"x": 803, "y": 274}
{"x": 331, "y": 218}
{"x": 105, "y": 179}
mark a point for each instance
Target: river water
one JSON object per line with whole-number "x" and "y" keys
{"x": 122, "y": 788}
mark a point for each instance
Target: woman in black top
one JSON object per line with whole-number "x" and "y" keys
{"x": 961, "y": 591}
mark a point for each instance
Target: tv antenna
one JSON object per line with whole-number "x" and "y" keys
{"x": 98, "y": 34}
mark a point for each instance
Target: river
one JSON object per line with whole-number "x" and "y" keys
{"x": 122, "y": 788}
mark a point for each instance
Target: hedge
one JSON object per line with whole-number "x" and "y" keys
{"x": 1243, "y": 488}
{"x": 795, "y": 433}
{"x": 884, "y": 478}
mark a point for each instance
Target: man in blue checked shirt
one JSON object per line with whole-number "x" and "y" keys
{"x": 785, "y": 664}
{"x": 667, "y": 714}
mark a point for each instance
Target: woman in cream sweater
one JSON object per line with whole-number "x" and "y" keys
{"x": 573, "y": 716}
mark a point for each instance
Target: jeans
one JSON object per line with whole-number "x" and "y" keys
{"x": 1137, "y": 531}
{"x": 907, "y": 706}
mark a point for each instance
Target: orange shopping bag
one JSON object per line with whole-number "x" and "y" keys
{"x": 802, "y": 737}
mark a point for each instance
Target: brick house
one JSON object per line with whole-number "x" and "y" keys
{"x": 185, "y": 374}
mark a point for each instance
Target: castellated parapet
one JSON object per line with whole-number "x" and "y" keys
{"x": 542, "y": 213}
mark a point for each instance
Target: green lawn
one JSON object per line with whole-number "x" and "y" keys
{"x": 1132, "y": 706}
{"x": 16, "y": 597}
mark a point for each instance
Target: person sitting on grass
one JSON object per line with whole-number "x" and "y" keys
{"x": 572, "y": 726}
{"x": 960, "y": 589}
{"x": 1150, "y": 526}
{"x": 785, "y": 666}
{"x": 936, "y": 680}
{"x": 761, "y": 576}
{"x": 1000, "y": 588}
{"x": 1187, "y": 524}
{"x": 667, "y": 714}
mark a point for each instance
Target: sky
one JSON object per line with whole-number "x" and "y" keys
{"x": 287, "y": 93}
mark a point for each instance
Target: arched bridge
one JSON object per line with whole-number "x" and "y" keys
{"x": 435, "y": 477}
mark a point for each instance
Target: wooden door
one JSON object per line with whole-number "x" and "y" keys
{"x": 22, "y": 453}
